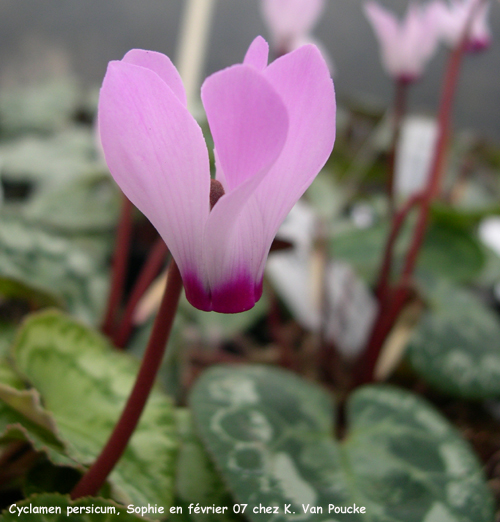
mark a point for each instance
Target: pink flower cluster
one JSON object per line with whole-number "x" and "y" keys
{"x": 406, "y": 46}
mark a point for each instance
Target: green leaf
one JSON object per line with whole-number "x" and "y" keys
{"x": 462, "y": 217}
{"x": 42, "y": 107}
{"x": 456, "y": 346}
{"x": 54, "y": 264}
{"x": 88, "y": 204}
{"x": 35, "y": 298}
{"x": 48, "y": 162}
{"x": 8, "y": 376}
{"x": 17, "y": 299}
{"x": 197, "y": 480}
{"x": 15, "y": 426}
{"x": 444, "y": 244}
{"x": 271, "y": 436}
{"x": 83, "y": 384}
{"x": 7, "y": 333}
{"x": 46, "y": 477}
{"x": 89, "y": 509}
{"x": 326, "y": 195}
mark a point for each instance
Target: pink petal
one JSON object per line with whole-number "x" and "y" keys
{"x": 246, "y": 220}
{"x": 247, "y": 119}
{"x": 257, "y": 54}
{"x": 156, "y": 152}
{"x": 384, "y": 23}
{"x": 233, "y": 249}
{"x": 480, "y": 37}
{"x": 162, "y": 66}
{"x": 407, "y": 46}
{"x": 249, "y": 123}
{"x": 310, "y": 40}
{"x": 386, "y": 28}
{"x": 290, "y": 19}
{"x": 303, "y": 81}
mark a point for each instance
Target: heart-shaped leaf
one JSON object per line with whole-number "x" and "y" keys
{"x": 456, "y": 346}
{"x": 271, "y": 436}
{"x": 444, "y": 244}
{"x": 83, "y": 384}
{"x": 53, "y": 263}
{"x": 197, "y": 481}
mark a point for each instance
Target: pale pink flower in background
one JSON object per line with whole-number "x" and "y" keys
{"x": 273, "y": 128}
{"x": 290, "y": 22}
{"x": 452, "y": 18}
{"x": 405, "y": 46}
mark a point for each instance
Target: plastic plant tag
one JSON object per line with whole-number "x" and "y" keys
{"x": 290, "y": 271}
{"x": 415, "y": 150}
{"x": 351, "y": 309}
{"x": 489, "y": 233}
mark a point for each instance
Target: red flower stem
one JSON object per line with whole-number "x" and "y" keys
{"x": 396, "y": 226}
{"x": 392, "y": 305}
{"x": 95, "y": 477}
{"x": 119, "y": 266}
{"x": 389, "y": 311}
{"x": 400, "y": 97}
{"x": 444, "y": 118}
{"x": 148, "y": 273}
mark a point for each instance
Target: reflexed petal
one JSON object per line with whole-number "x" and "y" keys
{"x": 162, "y": 66}
{"x": 257, "y": 54}
{"x": 234, "y": 248}
{"x": 246, "y": 221}
{"x": 405, "y": 47}
{"x": 156, "y": 153}
{"x": 289, "y": 19}
{"x": 248, "y": 121}
{"x": 452, "y": 18}
{"x": 480, "y": 37}
{"x": 303, "y": 81}
{"x": 311, "y": 40}
{"x": 384, "y": 25}
{"x": 430, "y": 33}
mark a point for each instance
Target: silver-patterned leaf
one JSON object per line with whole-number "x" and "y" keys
{"x": 271, "y": 436}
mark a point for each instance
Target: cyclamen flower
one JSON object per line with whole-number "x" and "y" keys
{"x": 405, "y": 46}
{"x": 452, "y": 18}
{"x": 291, "y": 21}
{"x": 273, "y": 128}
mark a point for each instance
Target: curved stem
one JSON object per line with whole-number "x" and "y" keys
{"x": 119, "y": 267}
{"x": 444, "y": 119}
{"x": 396, "y": 226}
{"x": 95, "y": 477}
{"x": 388, "y": 314}
{"x": 400, "y": 96}
{"x": 150, "y": 270}
{"x": 393, "y": 302}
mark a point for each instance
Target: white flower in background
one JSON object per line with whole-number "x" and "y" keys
{"x": 407, "y": 45}
{"x": 290, "y": 23}
{"x": 452, "y": 17}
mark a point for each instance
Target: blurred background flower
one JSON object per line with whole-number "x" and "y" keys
{"x": 53, "y": 39}
{"x": 407, "y": 45}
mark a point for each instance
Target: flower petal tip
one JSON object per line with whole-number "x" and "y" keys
{"x": 257, "y": 54}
